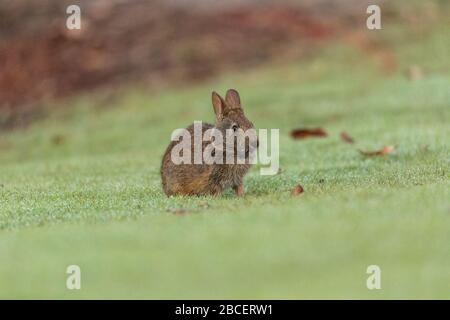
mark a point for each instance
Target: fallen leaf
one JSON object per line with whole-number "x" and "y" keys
{"x": 346, "y": 137}
{"x": 297, "y": 190}
{"x": 305, "y": 133}
{"x": 381, "y": 152}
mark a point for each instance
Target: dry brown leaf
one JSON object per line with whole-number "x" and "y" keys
{"x": 346, "y": 137}
{"x": 297, "y": 190}
{"x": 381, "y": 152}
{"x": 303, "y": 133}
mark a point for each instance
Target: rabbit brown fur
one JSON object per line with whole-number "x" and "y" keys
{"x": 202, "y": 179}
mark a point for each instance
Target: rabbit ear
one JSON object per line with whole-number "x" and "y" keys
{"x": 218, "y": 104}
{"x": 233, "y": 100}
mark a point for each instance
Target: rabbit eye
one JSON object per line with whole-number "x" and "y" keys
{"x": 234, "y": 127}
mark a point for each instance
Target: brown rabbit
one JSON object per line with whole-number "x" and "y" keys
{"x": 203, "y": 178}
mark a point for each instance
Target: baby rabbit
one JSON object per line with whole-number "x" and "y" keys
{"x": 213, "y": 178}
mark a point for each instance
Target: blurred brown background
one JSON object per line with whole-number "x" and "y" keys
{"x": 153, "y": 43}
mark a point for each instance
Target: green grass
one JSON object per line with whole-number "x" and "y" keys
{"x": 95, "y": 199}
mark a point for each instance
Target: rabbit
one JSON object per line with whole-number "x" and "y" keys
{"x": 214, "y": 178}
